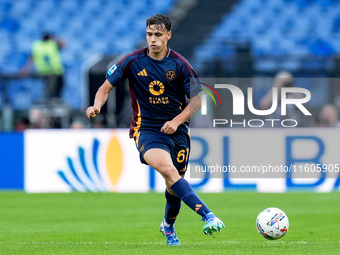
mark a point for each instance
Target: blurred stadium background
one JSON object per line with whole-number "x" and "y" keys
{"x": 238, "y": 38}
{"x": 248, "y": 41}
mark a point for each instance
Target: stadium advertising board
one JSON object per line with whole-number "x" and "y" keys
{"x": 11, "y": 161}
{"x": 85, "y": 160}
{"x": 266, "y": 160}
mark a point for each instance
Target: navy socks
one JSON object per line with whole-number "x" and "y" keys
{"x": 184, "y": 191}
{"x": 172, "y": 207}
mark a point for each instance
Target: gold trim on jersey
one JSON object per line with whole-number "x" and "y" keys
{"x": 139, "y": 121}
{"x": 136, "y": 135}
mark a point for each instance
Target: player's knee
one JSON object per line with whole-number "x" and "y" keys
{"x": 169, "y": 173}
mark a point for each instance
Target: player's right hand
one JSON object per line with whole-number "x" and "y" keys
{"x": 92, "y": 112}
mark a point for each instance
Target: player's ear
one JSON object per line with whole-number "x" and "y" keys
{"x": 169, "y": 34}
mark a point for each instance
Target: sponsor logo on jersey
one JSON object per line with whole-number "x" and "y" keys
{"x": 156, "y": 88}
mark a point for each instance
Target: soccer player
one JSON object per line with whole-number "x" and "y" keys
{"x": 160, "y": 80}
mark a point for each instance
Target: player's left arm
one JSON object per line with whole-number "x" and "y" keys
{"x": 171, "y": 126}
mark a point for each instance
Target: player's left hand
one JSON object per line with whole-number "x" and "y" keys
{"x": 169, "y": 127}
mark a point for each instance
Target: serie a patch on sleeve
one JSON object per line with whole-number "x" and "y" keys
{"x": 112, "y": 69}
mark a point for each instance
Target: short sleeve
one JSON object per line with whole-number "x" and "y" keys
{"x": 192, "y": 85}
{"x": 115, "y": 75}
{"x": 119, "y": 71}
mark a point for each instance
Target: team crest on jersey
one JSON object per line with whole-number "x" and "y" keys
{"x": 170, "y": 75}
{"x": 156, "y": 88}
{"x": 142, "y": 148}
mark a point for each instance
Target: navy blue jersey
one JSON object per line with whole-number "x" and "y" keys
{"x": 158, "y": 88}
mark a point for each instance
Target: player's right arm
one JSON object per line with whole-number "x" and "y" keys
{"x": 114, "y": 76}
{"x": 100, "y": 99}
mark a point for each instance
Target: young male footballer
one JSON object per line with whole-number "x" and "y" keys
{"x": 160, "y": 80}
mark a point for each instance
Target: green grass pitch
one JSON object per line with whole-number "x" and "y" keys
{"x": 115, "y": 223}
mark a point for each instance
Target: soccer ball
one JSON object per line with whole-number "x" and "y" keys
{"x": 272, "y": 223}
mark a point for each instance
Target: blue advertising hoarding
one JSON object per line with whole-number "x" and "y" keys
{"x": 11, "y": 161}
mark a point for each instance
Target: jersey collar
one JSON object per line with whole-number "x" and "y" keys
{"x": 166, "y": 56}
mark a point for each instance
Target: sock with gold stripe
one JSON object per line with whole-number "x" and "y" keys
{"x": 184, "y": 191}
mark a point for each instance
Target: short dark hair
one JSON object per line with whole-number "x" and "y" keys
{"x": 46, "y": 36}
{"x": 159, "y": 20}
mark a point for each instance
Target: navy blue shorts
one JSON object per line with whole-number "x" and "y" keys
{"x": 177, "y": 145}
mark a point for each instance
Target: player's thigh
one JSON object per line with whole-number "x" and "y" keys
{"x": 146, "y": 140}
{"x": 157, "y": 158}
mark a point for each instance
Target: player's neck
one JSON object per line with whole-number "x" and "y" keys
{"x": 158, "y": 55}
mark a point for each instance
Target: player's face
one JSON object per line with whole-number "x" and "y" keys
{"x": 157, "y": 39}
